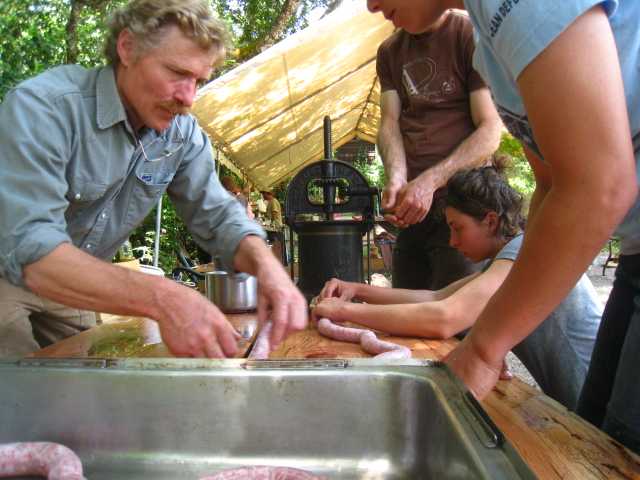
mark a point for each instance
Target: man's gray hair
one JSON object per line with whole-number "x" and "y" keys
{"x": 147, "y": 19}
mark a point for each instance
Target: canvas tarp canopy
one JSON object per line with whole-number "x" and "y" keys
{"x": 266, "y": 116}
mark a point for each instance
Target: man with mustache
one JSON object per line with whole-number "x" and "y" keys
{"x": 86, "y": 155}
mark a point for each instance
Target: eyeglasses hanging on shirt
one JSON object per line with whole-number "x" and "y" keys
{"x": 167, "y": 152}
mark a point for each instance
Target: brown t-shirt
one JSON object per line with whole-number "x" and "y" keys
{"x": 433, "y": 75}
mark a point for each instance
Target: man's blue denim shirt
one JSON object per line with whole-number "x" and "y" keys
{"x": 73, "y": 171}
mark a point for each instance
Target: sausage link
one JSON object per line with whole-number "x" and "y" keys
{"x": 52, "y": 460}
{"x": 373, "y": 345}
{"x": 399, "y": 353}
{"x": 337, "y": 332}
{"x": 367, "y": 339}
{"x": 262, "y": 348}
{"x": 264, "y": 473}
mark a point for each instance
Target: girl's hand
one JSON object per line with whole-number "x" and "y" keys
{"x": 328, "y": 308}
{"x": 338, "y": 288}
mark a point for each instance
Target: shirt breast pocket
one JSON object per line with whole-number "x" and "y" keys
{"x": 153, "y": 177}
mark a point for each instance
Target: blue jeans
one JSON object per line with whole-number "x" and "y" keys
{"x": 610, "y": 397}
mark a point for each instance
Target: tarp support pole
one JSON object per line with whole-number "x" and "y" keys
{"x": 156, "y": 240}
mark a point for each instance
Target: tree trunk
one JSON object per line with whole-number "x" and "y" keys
{"x": 72, "y": 23}
{"x": 288, "y": 10}
{"x": 71, "y": 31}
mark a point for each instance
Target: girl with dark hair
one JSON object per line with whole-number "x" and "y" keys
{"x": 484, "y": 215}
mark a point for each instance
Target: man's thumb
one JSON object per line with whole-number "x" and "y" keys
{"x": 388, "y": 199}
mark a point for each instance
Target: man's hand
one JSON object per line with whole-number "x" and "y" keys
{"x": 390, "y": 194}
{"x": 280, "y": 301}
{"x": 338, "y": 288}
{"x": 412, "y": 202}
{"x": 192, "y": 326}
{"x": 328, "y": 308}
{"x": 478, "y": 375}
{"x": 389, "y": 200}
{"x": 278, "y": 298}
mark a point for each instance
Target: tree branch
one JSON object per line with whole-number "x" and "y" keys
{"x": 277, "y": 30}
{"x": 72, "y": 24}
{"x": 331, "y": 7}
{"x": 71, "y": 31}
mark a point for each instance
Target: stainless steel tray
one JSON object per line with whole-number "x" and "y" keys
{"x": 183, "y": 418}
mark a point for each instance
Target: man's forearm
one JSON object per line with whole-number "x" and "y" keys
{"x": 252, "y": 254}
{"x": 392, "y": 151}
{"x": 71, "y": 277}
{"x": 472, "y": 152}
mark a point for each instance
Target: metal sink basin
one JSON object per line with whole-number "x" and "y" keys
{"x": 185, "y": 418}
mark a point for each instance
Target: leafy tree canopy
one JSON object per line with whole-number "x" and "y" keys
{"x": 39, "y": 34}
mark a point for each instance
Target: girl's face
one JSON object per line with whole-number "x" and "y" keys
{"x": 475, "y": 239}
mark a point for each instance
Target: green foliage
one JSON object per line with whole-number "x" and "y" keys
{"x": 174, "y": 236}
{"x": 372, "y": 169}
{"x": 91, "y": 31}
{"x": 280, "y": 190}
{"x": 519, "y": 173}
{"x": 33, "y": 33}
{"x": 32, "y": 38}
{"x": 252, "y": 20}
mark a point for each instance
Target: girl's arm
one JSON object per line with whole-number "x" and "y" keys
{"x": 431, "y": 319}
{"x": 383, "y": 295}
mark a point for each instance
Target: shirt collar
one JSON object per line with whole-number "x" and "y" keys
{"x": 109, "y": 107}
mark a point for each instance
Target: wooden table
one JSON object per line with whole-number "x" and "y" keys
{"x": 146, "y": 334}
{"x": 554, "y": 442}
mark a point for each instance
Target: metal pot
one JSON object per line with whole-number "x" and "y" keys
{"x": 232, "y": 293}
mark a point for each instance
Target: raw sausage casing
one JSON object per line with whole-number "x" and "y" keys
{"x": 52, "y": 460}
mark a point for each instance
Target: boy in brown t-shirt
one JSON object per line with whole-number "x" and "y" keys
{"x": 437, "y": 118}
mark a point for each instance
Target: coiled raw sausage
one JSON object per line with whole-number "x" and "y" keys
{"x": 337, "y": 332}
{"x": 264, "y": 473}
{"x": 262, "y": 346}
{"x": 367, "y": 339}
{"x": 52, "y": 460}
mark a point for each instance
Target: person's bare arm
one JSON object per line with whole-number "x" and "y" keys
{"x": 391, "y": 147}
{"x": 414, "y": 200}
{"x": 584, "y": 136}
{"x": 382, "y": 295}
{"x": 543, "y": 177}
{"x": 430, "y": 319}
{"x": 402, "y": 295}
{"x": 190, "y": 325}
